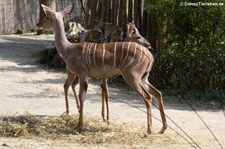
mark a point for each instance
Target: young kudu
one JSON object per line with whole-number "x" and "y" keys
{"x": 84, "y": 60}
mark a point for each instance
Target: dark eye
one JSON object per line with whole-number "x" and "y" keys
{"x": 133, "y": 31}
{"x": 47, "y": 17}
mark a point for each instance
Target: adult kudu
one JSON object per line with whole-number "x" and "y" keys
{"x": 133, "y": 35}
{"x": 104, "y": 60}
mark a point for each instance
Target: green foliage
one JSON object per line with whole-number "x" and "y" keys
{"x": 193, "y": 50}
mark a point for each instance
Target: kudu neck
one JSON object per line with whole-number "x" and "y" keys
{"x": 60, "y": 37}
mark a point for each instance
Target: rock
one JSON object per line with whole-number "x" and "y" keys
{"x": 73, "y": 28}
{"x": 5, "y": 145}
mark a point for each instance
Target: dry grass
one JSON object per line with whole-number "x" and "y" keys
{"x": 62, "y": 127}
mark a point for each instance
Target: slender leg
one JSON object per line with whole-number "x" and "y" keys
{"x": 149, "y": 114}
{"x": 136, "y": 84}
{"x": 82, "y": 96}
{"x": 158, "y": 97}
{"x": 150, "y": 111}
{"x": 69, "y": 80}
{"x": 103, "y": 102}
{"x": 105, "y": 99}
{"x": 148, "y": 101}
{"x": 73, "y": 86}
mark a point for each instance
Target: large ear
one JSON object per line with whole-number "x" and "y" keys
{"x": 137, "y": 34}
{"x": 67, "y": 10}
{"x": 47, "y": 10}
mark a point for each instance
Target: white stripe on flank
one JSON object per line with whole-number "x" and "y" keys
{"x": 103, "y": 56}
{"x": 127, "y": 52}
{"x": 83, "y": 52}
{"x": 89, "y": 53}
{"x": 114, "y": 56}
{"x": 122, "y": 52}
{"x": 143, "y": 55}
{"x": 145, "y": 50}
{"x": 140, "y": 58}
{"x": 94, "y": 55}
{"x": 133, "y": 56}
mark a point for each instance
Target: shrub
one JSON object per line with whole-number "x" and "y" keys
{"x": 193, "y": 51}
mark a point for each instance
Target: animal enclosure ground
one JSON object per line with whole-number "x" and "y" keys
{"x": 26, "y": 87}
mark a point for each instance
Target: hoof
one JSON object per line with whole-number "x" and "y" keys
{"x": 162, "y": 130}
{"x": 79, "y": 129}
{"x": 78, "y": 109}
{"x": 66, "y": 113}
{"x": 149, "y": 131}
{"x": 107, "y": 121}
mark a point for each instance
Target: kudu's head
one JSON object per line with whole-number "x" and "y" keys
{"x": 134, "y": 36}
{"x": 52, "y": 16}
{"x": 132, "y": 31}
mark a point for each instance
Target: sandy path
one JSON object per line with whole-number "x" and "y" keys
{"x": 26, "y": 87}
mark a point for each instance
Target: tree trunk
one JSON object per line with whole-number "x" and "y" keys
{"x": 136, "y": 11}
{"x": 87, "y": 16}
{"x": 145, "y": 24}
{"x": 93, "y": 13}
{"x": 112, "y": 12}
{"x": 103, "y": 11}
{"x": 120, "y": 13}
{"x": 141, "y": 14}
{"x": 116, "y": 12}
{"x": 123, "y": 19}
{"x": 99, "y": 10}
{"x": 108, "y": 11}
{"x": 130, "y": 10}
{"x": 151, "y": 35}
{"x": 82, "y": 7}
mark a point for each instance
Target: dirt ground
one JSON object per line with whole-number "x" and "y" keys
{"x": 25, "y": 86}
